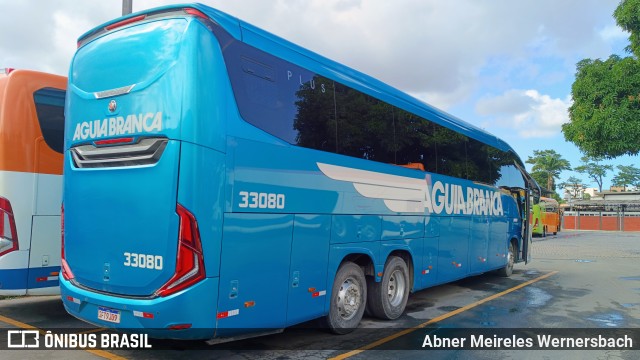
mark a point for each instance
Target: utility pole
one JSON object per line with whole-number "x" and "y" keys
{"x": 127, "y": 7}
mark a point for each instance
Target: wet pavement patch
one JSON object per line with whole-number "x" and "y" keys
{"x": 630, "y": 305}
{"x": 609, "y": 320}
{"x": 449, "y": 308}
{"x": 488, "y": 323}
{"x": 418, "y": 305}
{"x": 537, "y": 296}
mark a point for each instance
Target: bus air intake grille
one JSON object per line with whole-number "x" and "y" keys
{"x": 146, "y": 151}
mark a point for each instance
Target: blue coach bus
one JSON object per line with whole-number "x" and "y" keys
{"x": 222, "y": 182}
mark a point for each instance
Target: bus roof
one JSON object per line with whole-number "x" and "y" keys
{"x": 278, "y": 46}
{"x": 548, "y": 200}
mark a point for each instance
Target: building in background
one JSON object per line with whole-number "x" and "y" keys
{"x": 608, "y": 210}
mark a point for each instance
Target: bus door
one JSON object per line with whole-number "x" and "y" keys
{"x": 528, "y": 196}
{"x": 527, "y": 233}
{"x": 523, "y": 200}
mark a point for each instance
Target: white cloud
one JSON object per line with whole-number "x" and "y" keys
{"x": 613, "y": 33}
{"x": 41, "y": 35}
{"x": 64, "y": 28}
{"x": 529, "y": 113}
{"x": 436, "y": 49}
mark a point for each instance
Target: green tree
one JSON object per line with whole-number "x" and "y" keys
{"x": 627, "y": 175}
{"x": 574, "y": 186}
{"x": 541, "y": 178}
{"x": 557, "y": 197}
{"x": 592, "y": 167}
{"x": 550, "y": 163}
{"x": 605, "y": 115}
{"x": 628, "y": 18}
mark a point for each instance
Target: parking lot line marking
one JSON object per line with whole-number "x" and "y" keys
{"x": 19, "y": 324}
{"x": 93, "y": 331}
{"x": 440, "y": 318}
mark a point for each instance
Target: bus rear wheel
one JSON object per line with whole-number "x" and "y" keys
{"x": 388, "y": 298}
{"x": 348, "y": 299}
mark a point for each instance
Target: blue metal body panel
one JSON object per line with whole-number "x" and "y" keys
{"x": 28, "y": 278}
{"x": 402, "y": 227}
{"x": 201, "y": 190}
{"x": 256, "y": 253}
{"x": 308, "y": 284}
{"x": 99, "y": 227}
{"x": 14, "y": 279}
{"x": 37, "y": 276}
{"x": 453, "y": 252}
{"x": 428, "y": 274}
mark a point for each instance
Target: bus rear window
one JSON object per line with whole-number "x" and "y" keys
{"x": 50, "y": 110}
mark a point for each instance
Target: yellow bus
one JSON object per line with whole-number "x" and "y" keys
{"x": 31, "y": 143}
{"x": 545, "y": 217}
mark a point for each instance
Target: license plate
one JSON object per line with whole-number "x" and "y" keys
{"x": 109, "y": 315}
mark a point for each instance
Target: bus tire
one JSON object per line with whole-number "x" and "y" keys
{"x": 348, "y": 299}
{"x": 507, "y": 270}
{"x": 387, "y": 299}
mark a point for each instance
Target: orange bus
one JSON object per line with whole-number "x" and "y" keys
{"x": 545, "y": 217}
{"x": 31, "y": 146}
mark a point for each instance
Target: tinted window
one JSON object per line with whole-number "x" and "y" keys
{"x": 365, "y": 125}
{"x": 415, "y": 140}
{"x": 314, "y": 119}
{"x": 312, "y": 111}
{"x": 261, "y": 98}
{"x": 479, "y": 164}
{"x": 50, "y": 111}
{"x": 507, "y": 174}
{"x": 452, "y": 152}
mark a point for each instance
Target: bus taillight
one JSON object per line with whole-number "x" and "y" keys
{"x": 190, "y": 261}
{"x": 8, "y": 233}
{"x": 116, "y": 141}
{"x": 196, "y": 13}
{"x": 124, "y": 22}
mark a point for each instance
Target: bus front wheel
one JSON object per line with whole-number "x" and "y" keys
{"x": 507, "y": 270}
{"x": 348, "y": 299}
{"x": 388, "y": 298}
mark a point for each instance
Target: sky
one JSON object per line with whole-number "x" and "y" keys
{"x": 505, "y": 66}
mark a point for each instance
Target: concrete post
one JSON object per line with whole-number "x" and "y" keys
{"x": 127, "y": 7}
